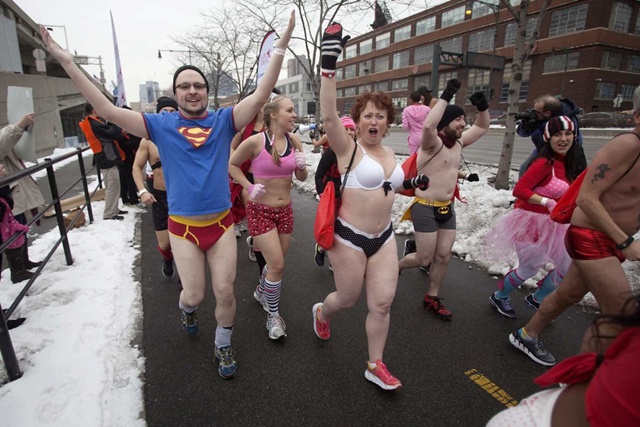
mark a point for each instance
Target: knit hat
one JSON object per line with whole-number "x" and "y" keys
{"x": 555, "y": 125}
{"x": 165, "y": 101}
{"x": 451, "y": 113}
{"x": 348, "y": 122}
{"x": 189, "y": 67}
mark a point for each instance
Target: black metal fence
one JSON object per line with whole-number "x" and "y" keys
{"x": 6, "y": 347}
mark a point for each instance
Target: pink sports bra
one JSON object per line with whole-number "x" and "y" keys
{"x": 555, "y": 188}
{"x": 264, "y": 167}
{"x": 369, "y": 175}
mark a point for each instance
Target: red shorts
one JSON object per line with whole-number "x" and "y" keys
{"x": 585, "y": 244}
{"x": 204, "y": 234}
{"x": 262, "y": 218}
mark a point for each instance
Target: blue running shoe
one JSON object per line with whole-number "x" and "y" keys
{"x": 190, "y": 322}
{"x": 227, "y": 366}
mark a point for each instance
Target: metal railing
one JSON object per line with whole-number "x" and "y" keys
{"x": 6, "y": 347}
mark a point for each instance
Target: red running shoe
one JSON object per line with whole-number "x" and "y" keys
{"x": 381, "y": 376}
{"x": 319, "y": 326}
{"x": 435, "y": 305}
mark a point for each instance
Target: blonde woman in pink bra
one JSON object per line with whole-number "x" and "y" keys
{"x": 527, "y": 229}
{"x": 276, "y": 156}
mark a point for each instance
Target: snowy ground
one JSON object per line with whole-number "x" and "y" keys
{"x": 75, "y": 349}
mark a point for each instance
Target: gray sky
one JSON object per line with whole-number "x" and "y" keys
{"x": 142, "y": 27}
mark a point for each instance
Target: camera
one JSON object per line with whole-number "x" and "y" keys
{"x": 527, "y": 115}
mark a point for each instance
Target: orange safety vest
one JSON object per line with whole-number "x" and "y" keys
{"x": 92, "y": 139}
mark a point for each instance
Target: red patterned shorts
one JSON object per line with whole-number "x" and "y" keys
{"x": 262, "y": 218}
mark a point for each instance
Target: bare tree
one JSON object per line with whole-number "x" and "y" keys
{"x": 224, "y": 45}
{"x": 524, "y": 46}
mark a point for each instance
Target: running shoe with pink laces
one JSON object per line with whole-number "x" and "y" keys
{"x": 381, "y": 376}
{"x": 321, "y": 327}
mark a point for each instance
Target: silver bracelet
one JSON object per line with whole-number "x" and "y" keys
{"x": 279, "y": 51}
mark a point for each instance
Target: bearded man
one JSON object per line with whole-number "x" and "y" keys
{"x": 432, "y": 212}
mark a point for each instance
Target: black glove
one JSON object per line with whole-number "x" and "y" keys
{"x": 473, "y": 177}
{"x": 332, "y": 46}
{"x": 529, "y": 125}
{"x": 420, "y": 182}
{"x": 453, "y": 86}
{"x": 479, "y": 100}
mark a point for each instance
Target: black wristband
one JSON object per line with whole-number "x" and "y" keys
{"x": 625, "y": 244}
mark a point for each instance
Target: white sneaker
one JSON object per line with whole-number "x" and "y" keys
{"x": 276, "y": 327}
{"x": 252, "y": 254}
{"x": 261, "y": 298}
{"x": 236, "y": 229}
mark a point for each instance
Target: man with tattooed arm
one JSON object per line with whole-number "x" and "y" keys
{"x": 600, "y": 238}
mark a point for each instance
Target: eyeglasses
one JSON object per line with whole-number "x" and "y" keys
{"x": 187, "y": 86}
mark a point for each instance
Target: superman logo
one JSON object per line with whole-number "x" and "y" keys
{"x": 196, "y": 136}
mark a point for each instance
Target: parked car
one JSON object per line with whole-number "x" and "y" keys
{"x": 598, "y": 119}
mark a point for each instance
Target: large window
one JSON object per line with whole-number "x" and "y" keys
{"x": 423, "y": 80}
{"x": 627, "y": 91}
{"x": 620, "y": 17}
{"x": 478, "y": 80}
{"x": 349, "y": 71}
{"x": 484, "y": 8}
{"x": 612, "y": 60}
{"x": 350, "y": 51}
{"x": 423, "y": 54}
{"x": 443, "y": 78}
{"x": 401, "y": 84}
{"x": 400, "y": 103}
{"x": 506, "y": 82}
{"x": 293, "y": 88}
{"x": 339, "y": 74}
{"x": 637, "y": 30}
{"x": 633, "y": 64}
{"x": 382, "y": 86}
{"x": 452, "y": 45}
{"x": 512, "y": 29}
{"x": 365, "y": 46}
{"x": 364, "y": 68}
{"x": 401, "y": 59}
{"x": 605, "y": 90}
{"x": 382, "y": 41}
{"x": 350, "y": 91}
{"x": 482, "y": 41}
{"x": 569, "y": 20}
{"x": 452, "y": 17}
{"x": 402, "y": 33}
{"x": 339, "y": 93}
{"x": 425, "y": 26}
{"x": 562, "y": 62}
{"x": 381, "y": 64}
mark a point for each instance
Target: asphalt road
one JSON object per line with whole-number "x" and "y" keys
{"x": 457, "y": 373}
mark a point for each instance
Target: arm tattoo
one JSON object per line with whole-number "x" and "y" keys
{"x": 602, "y": 168}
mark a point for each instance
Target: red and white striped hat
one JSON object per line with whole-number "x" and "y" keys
{"x": 555, "y": 125}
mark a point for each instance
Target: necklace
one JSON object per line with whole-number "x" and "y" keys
{"x": 271, "y": 140}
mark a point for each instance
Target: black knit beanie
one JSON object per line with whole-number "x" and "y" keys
{"x": 451, "y": 113}
{"x": 165, "y": 101}
{"x": 189, "y": 67}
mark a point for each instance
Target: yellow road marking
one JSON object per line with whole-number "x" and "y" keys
{"x": 491, "y": 388}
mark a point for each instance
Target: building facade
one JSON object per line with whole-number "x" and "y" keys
{"x": 149, "y": 93}
{"x": 587, "y": 50}
{"x": 297, "y": 87}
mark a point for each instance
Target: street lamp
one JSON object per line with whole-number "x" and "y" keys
{"x": 51, "y": 27}
{"x": 496, "y": 11}
{"x": 174, "y": 51}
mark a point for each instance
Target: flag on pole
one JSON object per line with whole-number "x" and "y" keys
{"x": 121, "y": 98}
{"x": 266, "y": 50}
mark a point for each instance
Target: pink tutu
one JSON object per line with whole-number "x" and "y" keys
{"x": 538, "y": 239}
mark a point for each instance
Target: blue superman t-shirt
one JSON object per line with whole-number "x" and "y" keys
{"x": 195, "y": 159}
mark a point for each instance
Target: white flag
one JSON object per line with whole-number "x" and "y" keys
{"x": 121, "y": 99}
{"x": 266, "y": 50}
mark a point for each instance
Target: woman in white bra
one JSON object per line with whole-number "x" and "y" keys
{"x": 364, "y": 244}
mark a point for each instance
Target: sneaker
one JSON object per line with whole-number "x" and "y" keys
{"x": 167, "y": 269}
{"x": 381, "y": 376}
{"x": 252, "y": 254}
{"x": 261, "y": 298}
{"x": 409, "y": 247}
{"x": 190, "y": 322}
{"x": 435, "y": 305}
{"x": 319, "y": 256}
{"x": 425, "y": 268}
{"x": 236, "y": 229}
{"x": 531, "y": 302}
{"x": 503, "y": 306}
{"x": 532, "y": 347}
{"x": 121, "y": 212}
{"x": 276, "y": 327}
{"x": 116, "y": 218}
{"x": 227, "y": 365}
{"x": 321, "y": 327}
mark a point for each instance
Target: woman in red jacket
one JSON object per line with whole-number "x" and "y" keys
{"x": 528, "y": 230}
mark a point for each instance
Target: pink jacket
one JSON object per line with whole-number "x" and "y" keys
{"x": 413, "y": 118}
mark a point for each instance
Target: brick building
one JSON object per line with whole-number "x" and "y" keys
{"x": 588, "y": 51}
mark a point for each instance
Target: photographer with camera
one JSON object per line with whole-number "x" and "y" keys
{"x": 533, "y": 121}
